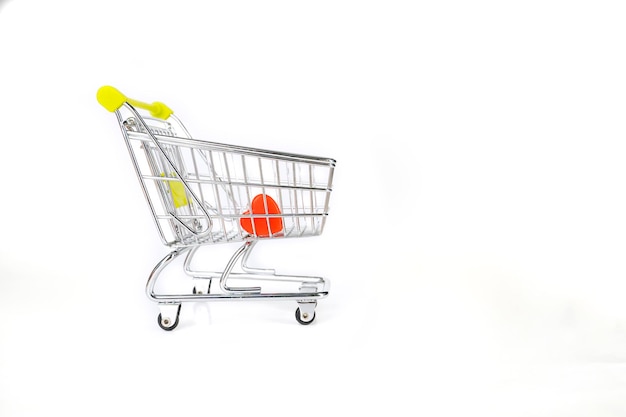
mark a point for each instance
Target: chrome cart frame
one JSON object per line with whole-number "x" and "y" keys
{"x": 203, "y": 193}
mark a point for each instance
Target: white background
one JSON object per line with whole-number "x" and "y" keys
{"x": 476, "y": 237}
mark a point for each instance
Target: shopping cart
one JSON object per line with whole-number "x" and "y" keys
{"x": 204, "y": 193}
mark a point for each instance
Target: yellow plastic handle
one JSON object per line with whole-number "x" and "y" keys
{"x": 112, "y": 99}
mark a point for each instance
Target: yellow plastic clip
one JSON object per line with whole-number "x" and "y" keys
{"x": 179, "y": 196}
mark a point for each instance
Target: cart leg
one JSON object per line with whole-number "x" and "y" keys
{"x": 250, "y": 270}
{"x": 242, "y": 251}
{"x": 154, "y": 275}
{"x": 170, "y": 310}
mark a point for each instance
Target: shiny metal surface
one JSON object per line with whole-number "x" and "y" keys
{"x": 200, "y": 193}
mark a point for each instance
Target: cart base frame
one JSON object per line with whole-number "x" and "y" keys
{"x": 310, "y": 289}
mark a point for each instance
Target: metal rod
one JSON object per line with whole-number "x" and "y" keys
{"x": 229, "y": 267}
{"x": 174, "y": 168}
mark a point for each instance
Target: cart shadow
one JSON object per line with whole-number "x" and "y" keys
{"x": 201, "y": 312}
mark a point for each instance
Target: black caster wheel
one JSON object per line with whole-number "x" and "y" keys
{"x": 201, "y": 290}
{"x": 304, "y": 320}
{"x": 167, "y": 324}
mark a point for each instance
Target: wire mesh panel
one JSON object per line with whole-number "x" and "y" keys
{"x": 205, "y": 192}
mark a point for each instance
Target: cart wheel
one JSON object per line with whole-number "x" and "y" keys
{"x": 166, "y": 324}
{"x": 195, "y": 291}
{"x": 304, "y": 320}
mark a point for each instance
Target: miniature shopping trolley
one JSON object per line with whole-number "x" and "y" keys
{"x": 204, "y": 193}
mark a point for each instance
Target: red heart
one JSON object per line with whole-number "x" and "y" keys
{"x": 261, "y": 222}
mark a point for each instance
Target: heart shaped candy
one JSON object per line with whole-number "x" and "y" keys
{"x": 261, "y": 223}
